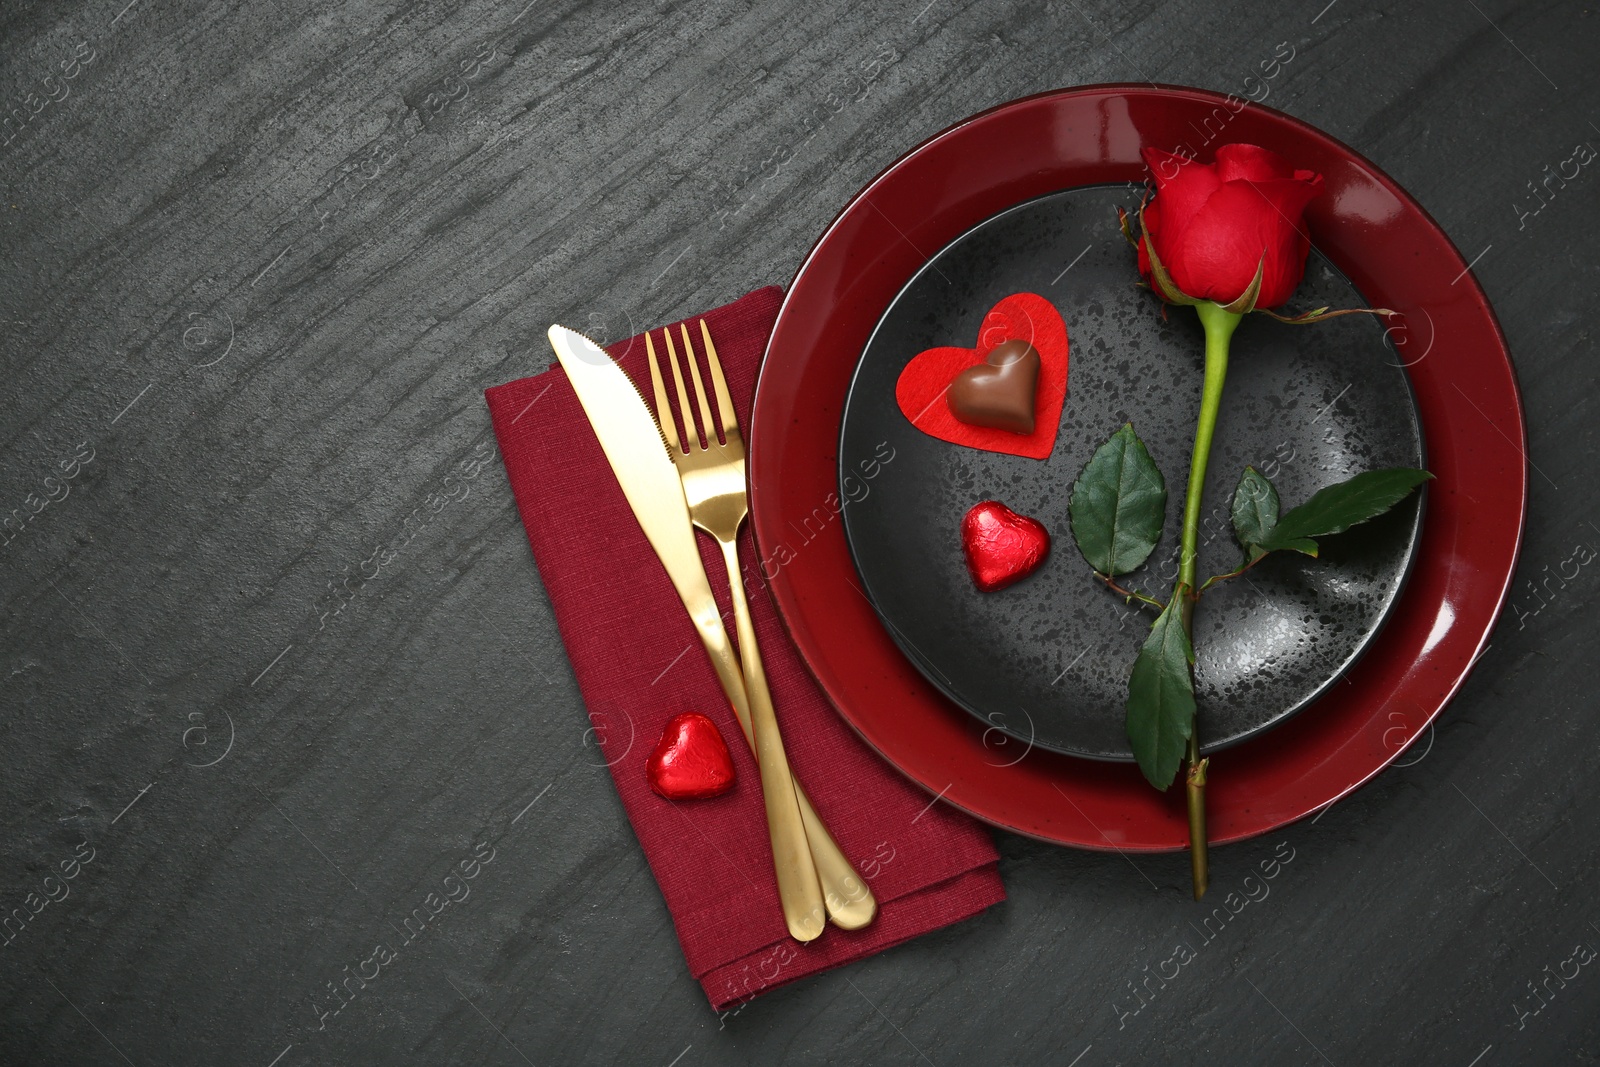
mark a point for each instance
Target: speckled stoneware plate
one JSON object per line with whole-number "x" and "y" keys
{"x": 1047, "y": 660}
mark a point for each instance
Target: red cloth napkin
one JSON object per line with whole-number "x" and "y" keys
{"x": 638, "y": 662}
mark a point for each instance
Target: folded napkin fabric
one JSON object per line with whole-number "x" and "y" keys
{"x": 638, "y": 662}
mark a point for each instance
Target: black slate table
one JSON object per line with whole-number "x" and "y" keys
{"x": 257, "y": 263}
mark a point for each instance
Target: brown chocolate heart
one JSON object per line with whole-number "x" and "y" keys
{"x": 998, "y": 393}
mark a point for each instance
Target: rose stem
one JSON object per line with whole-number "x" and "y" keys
{"x": 1219, "y": 326}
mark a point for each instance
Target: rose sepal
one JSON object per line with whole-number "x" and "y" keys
{"x": 1127, "y": 227}
{"x": 1246, "y": 301}
{"x": 1165, "y": 287}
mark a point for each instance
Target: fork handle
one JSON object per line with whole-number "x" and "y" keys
{"x": 850, "y": 903}
{"x": 799, "y": 889}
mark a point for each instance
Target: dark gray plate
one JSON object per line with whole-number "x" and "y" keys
{"x": 1047, "y": 659}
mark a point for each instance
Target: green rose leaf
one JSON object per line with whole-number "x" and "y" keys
{"x": 1255, "y": 508}
{"x": 1161, "y": 697}
{"x": 1338, "y": 507}
{"x": 1255, "y": 515}
{"x": 1118, "y": 505}
{"x": 1295, "y": 544}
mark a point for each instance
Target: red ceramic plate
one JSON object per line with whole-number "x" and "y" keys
{"x": 1384, "y": 242}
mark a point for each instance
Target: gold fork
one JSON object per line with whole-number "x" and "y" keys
{"x": 714, "y": 487}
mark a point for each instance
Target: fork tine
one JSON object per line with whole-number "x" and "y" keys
{"x": 730, "y": 419}
{"x": 692, "y": 435}
{"x": 699, "y": 389}
{"x": 669, "y": 426}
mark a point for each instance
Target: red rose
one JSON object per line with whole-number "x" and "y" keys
{"x": 1213, "y": 224}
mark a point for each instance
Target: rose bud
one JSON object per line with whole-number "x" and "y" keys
{"x": 1213, "y": 225}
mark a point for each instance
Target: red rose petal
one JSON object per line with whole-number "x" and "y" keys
{"x": 1182, "y": 186}
{"x": 1217, "y": 255}
{"x": 1248, "y": 162}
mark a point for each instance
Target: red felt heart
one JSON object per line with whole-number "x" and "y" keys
{"x": 920, "y": 390}
{"x": 1002, "y": 547}
{"x": 691, "y": 761}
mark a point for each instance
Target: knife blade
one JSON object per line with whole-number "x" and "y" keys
{"x": 632, "y": 441}
{"x": 638, "y": 456}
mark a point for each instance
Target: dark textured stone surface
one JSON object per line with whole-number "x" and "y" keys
{"x": 262, "y": 259}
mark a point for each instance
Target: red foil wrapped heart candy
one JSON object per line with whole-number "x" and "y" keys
{"x": 1002, "y": 547}
{"x": 691, "y": 761}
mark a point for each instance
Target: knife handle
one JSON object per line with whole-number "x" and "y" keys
{"x": 849, "y": 902}
{"x": 804, "y": 909}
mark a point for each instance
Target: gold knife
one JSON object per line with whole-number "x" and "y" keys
{"x": 638, "y": 456}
